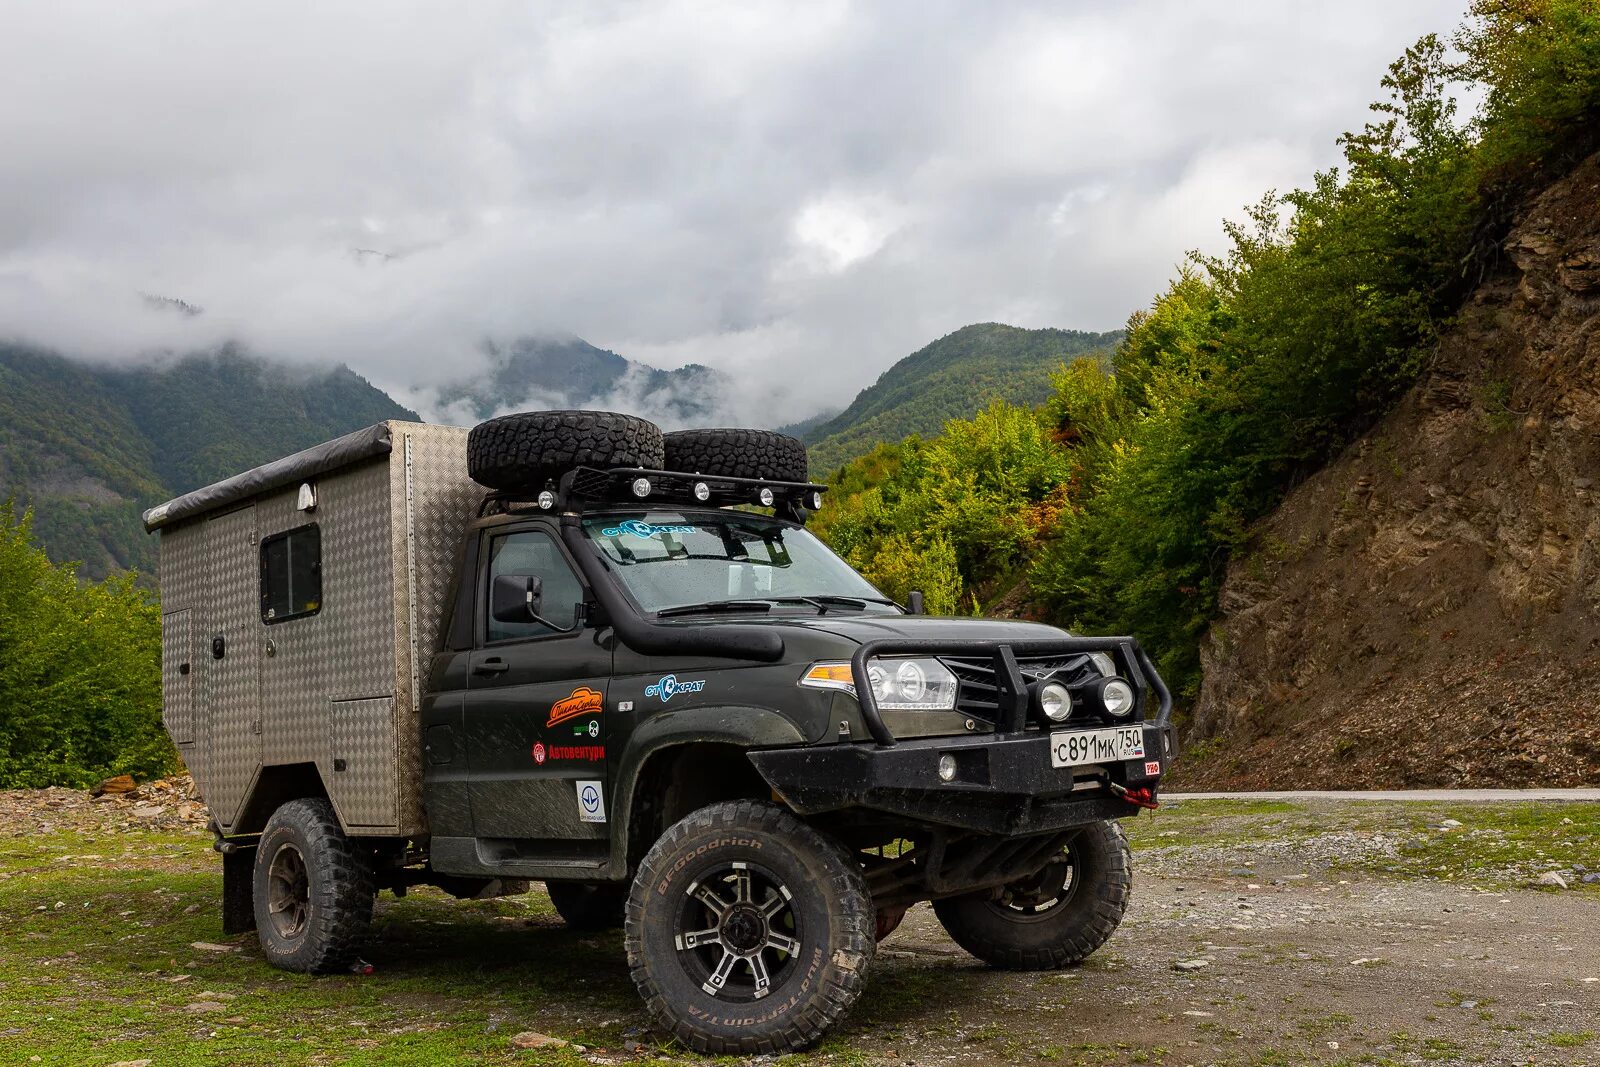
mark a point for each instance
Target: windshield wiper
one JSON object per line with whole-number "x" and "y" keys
{"x": 823, "y": 601}
{"x": 712, "y": 606}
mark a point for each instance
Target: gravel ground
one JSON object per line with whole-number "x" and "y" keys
{"x": 1256, "y": 937}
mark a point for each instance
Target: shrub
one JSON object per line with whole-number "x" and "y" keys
{"x": 80, "y": 686}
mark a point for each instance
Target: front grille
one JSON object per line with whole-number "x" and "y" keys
{"x": 979, "y": 695}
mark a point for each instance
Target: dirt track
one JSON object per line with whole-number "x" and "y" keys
{"x": 1309, "y": 970}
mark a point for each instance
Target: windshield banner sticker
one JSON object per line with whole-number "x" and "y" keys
{"x": 669, "y": 687}
{"x": 636, "y": 528}
{"x": 583, "y": 701}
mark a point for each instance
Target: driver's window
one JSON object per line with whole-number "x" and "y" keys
{"x": 533, "y": 552}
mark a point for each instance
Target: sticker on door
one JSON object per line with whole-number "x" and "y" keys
{"x": 591, "y": 802}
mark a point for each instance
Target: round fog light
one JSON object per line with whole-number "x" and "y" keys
{"x": 641, "y": 487}
{"x": 816, "y": 501}
{"x": 702, "y": 492}
{"x": 1116, "y": 696}
{"x": 547, "y": 500}
{"x": 947, "y": 768}
{"x": 1055, "y": 703}
{"x": 766, "y": 497}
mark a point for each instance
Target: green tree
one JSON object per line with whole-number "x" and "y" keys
{"x": 80, "y": 686}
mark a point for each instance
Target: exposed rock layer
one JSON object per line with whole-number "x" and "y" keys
{"x": 1426, "y": 609}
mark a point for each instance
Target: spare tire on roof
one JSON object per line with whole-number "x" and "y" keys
{"x": 777, "y": 457}
{"x": 521, "y": 452}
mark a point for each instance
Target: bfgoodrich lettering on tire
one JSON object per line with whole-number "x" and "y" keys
{"x": 748, "y": 931}
{"x": 312, "y": 889}
{"x": 1055, "y": 918}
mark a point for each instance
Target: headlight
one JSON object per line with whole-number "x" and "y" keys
{"x": 897, "y": 684}
{"x": 1103, "y": 663}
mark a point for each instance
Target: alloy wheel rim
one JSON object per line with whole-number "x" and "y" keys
{"x": 737, "y": 934}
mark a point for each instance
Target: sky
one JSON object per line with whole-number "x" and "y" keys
{"x": 795, "y": 194}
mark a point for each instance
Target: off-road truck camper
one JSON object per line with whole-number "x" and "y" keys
{"x": 566, "y": 647}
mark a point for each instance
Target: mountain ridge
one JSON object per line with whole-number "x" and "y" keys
{"x": 88, "y": 447}
{"x": 955, "y": 376}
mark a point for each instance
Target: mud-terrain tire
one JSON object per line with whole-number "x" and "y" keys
{"x": 589, "y": 905}
{"x": 777, "y": 457}
{"x": 789, "y": 898}
{"x": 521, "y": 452}
{"x": 312, "y": 890}
{"x": 1074, "y": 918}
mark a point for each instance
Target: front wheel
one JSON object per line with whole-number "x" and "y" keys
{"x": 748, "y": 931}
{"x": 1054, "y": 918}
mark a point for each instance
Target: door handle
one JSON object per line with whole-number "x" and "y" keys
{"x": 491, "y": 666}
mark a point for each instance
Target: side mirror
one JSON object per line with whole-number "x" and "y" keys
{"x": 914, "y": 602}
{"x": 516, "y": 597}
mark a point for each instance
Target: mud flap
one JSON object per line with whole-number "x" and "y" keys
{"x": 238, "y": 909}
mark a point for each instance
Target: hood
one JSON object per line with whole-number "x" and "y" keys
{"x": 859, "y": 629}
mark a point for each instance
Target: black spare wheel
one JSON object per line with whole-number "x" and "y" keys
{"x": 777, "y": 457}
{"x": 312, "y": 889}
{"x": 589, "y": 905}
{"x": 748, "y": 931}
{"x": 1054, "y": 918}
{"x": 521, "y": 452}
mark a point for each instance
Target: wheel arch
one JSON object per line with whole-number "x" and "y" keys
{"x": 684, "y": 760}
{"x": 274, "y": 787}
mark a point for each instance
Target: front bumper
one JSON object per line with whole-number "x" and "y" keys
{"x": 1004, "y": 783}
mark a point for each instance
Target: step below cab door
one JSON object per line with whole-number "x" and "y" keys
{"x": 535, "y": 709}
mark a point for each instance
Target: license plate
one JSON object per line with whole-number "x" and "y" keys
{"x": 1096, "y": 746}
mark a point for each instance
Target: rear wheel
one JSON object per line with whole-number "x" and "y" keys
{"x": 1054, "y": 918}
{"x": 589, "y": 905}
{"x": 312, "y": 889}
{"x": 748, "y": 931}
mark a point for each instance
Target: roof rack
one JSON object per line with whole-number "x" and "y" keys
{"x": 581, "y": 486}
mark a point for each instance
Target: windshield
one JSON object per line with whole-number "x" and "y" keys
{"x": 674, "y": 560}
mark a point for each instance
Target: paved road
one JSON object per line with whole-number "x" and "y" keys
{"x": 1502, "y": 796}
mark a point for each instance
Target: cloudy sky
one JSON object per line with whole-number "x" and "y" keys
{"x": 796, "y": 193}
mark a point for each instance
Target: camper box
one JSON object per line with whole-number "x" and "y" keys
{"x": 301, "y": 603}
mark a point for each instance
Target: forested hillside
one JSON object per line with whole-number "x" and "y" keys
{"x": 953, "y": 377}
{"x": 89, "y": 447}
{"x": 1117, "y": 505}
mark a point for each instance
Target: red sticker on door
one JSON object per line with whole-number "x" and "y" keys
{"x": 583, "y": 701}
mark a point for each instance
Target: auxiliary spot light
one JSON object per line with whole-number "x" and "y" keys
{"x": 766, "y": 497}
{"x": 641, "y": 487}
{"x": 702, "y": 492}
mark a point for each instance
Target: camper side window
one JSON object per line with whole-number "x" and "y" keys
{"x": 291, "y": 574}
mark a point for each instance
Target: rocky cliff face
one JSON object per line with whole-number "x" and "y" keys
{"x": 1426, "y": 610}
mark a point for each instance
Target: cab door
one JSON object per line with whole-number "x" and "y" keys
{"x": 535, "y": 709}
